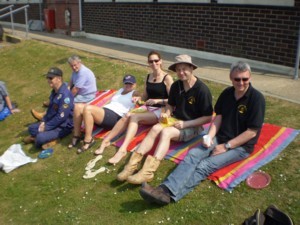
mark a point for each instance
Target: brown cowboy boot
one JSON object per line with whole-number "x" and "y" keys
{"x": 146, "y": 174}
{"x": 130, "y": 167}
{"x": 37, "y": 115}
{"x": 28, "y": 140}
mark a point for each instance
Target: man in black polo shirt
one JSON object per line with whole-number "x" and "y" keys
{"x": 189, "y": 105}
{"x": 232, "y": 135}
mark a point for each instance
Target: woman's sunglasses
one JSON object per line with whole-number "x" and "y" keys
{"x": 154, "y": 60}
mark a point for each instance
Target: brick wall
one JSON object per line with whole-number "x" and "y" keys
{"x": 261, "y": 33}
{"x": 267, "y": 34}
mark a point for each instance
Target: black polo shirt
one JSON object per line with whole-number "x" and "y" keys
{"x": 239, "y": 115}
{"x": 194, "y": 103}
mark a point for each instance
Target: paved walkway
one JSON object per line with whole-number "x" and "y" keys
{"x": 276, "y": 85}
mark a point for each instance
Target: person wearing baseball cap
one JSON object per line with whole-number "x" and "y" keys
{"x": 82, "y": 85}
{"x": 58, "y": 120}
{"x": 106, "y": 116}
{"x": 129, "y": 79}
{"x": 155, "y": 95}
{"x": 189, "y": 108}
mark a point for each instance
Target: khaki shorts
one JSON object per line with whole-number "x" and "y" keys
{"x": 189, "y": 133}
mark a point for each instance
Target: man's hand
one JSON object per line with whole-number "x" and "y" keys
{"x": 42, "y": 127}
{"x": 219, "y": 149}
{"x": 179, "y": 124}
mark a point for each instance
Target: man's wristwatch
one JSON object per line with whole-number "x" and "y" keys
{"x": 227, "y": 146}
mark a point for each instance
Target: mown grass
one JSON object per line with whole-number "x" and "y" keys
{"x": 52, "y": 191}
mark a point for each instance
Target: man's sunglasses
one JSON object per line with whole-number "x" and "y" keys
{"x": 50, "y": 78}
{"x": 243, "y": 79}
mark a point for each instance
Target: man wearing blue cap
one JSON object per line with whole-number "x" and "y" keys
{"x": 58, "y": 120}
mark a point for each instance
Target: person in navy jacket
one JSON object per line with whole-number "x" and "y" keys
{"x": 58, "y": 120}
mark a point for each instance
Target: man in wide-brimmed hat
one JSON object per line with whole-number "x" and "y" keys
{"x": 189, "y": 108}
{"x": 234, "y": 131}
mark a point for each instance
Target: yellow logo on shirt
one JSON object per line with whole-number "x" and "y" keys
{"x": 191, "y": 100}
{"x": 242, "y": 109}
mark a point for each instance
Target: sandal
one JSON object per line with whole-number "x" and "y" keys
{"x": 92, "y": 173}
{"x": 74, "y": 142}
{"x": 91, "y": 164}
{"x": 89, "y": 143}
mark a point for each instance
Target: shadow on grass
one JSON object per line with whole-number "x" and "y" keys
{"x": 65, "y": 60}
{"x": 33, "y": 149}
{"x": 137, "y": 206}
{"x": 123, "y": 186}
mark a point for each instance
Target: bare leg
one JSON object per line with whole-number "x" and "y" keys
{"x": 149, "y": 140}
{"x": 77, "y": 118}
{"x": 166, "y": 135}
{"x": 91, "y": 114}
{"x": 119, "y": 128}
{"x": 147, "y": 118}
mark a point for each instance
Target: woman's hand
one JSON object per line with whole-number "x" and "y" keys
{"x": 136, "y": 99}
{"x": 151, "y": 101}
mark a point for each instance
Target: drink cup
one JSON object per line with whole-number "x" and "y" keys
{"x": 206, "y": 140}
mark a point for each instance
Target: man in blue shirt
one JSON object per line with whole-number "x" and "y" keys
{"x": 82, "y": 85}
{"x": 58, "y": 120}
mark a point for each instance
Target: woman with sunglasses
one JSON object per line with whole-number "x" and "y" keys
{"x": 155, "y": 96}
{"x": 106, "y": 116}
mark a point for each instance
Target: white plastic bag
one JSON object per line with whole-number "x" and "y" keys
{"x": 13, "y": 158}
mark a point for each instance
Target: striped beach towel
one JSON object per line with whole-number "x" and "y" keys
{"x": 273, "y": 140}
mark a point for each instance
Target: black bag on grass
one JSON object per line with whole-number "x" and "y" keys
{"x": 272, "y": 216}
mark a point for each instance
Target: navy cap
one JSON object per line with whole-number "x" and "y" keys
{"x": 54, "y": 71}
{"x": 129, "y": 79}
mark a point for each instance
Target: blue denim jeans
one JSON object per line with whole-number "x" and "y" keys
{"x": 197, "y": 166}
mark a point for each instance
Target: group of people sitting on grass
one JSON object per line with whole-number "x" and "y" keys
{"x": 176, "y": 111}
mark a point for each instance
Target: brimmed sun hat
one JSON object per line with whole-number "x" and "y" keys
{"x": 182, "y": 59}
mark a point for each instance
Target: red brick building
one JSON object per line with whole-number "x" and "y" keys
{"x": 264, "y": 30}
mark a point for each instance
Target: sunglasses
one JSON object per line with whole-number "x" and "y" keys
{"x": 128, "y": 83}
{"x": 154, "y": 60}
{"x": 50, "y": 78}
{"x": 243, "y": 79}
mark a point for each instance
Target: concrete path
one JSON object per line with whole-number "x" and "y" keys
{"x": 276, "y": 85}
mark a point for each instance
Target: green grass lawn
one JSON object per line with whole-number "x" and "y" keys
{"x": 52, "y": 191}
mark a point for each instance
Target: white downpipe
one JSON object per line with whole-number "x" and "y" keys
{"x": 296, "y": 75}
{"x": 80, "y": 15}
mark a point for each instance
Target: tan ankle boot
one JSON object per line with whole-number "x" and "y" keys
{"x": 130, "y": 167}
{"x": 146, "y": 174}
{"x": 37, "y": 115}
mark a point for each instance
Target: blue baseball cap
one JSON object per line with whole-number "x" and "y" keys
{"x": 129, "y": 79}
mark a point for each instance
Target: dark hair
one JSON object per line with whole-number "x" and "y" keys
{"x": 153, "y": 52}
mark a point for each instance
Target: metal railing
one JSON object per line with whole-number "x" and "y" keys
{"x": 11, "y": 12}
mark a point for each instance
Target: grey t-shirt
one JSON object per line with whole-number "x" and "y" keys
{"x": 3, "y": 93}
